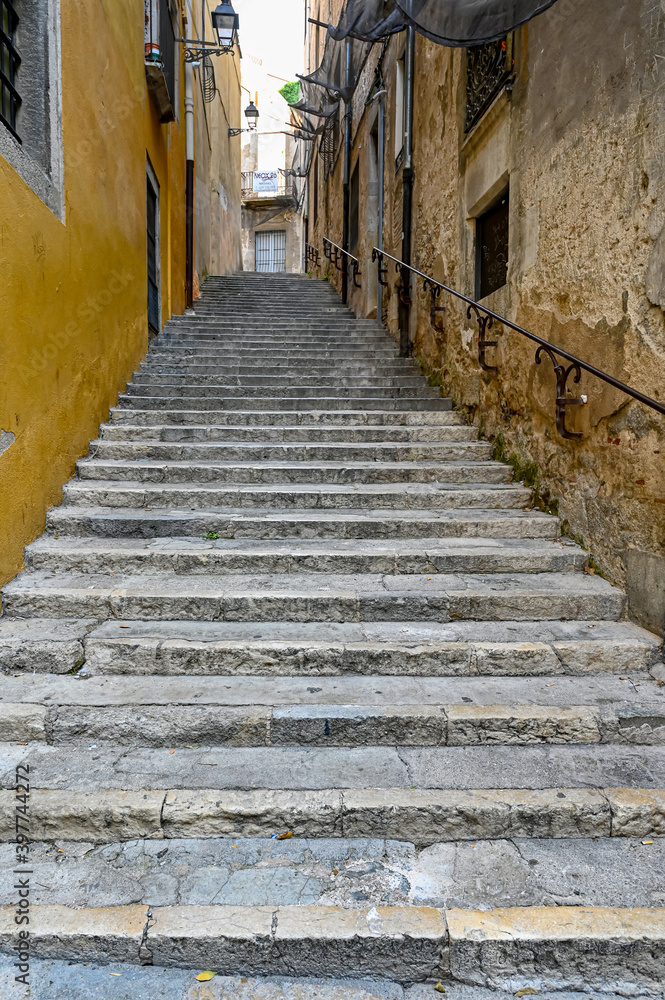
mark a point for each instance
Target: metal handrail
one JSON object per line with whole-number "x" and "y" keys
{"x": 333, "y": 252}
{"x": 485, "y": 318}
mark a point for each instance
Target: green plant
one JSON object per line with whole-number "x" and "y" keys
{"x": 290, "y": 91}
{"x": 211, "y": 535}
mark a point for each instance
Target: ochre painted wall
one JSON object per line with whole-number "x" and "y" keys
{"x": 73, "y": 315}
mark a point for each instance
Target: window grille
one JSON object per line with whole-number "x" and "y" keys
{"x": 489, "y": 69}
{"x": 10, "y": 60}
{"x": 330, "y": 139}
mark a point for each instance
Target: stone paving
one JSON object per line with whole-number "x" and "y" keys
{"x": 290, "y": 594}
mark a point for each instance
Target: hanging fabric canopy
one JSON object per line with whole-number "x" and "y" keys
{"x": 446, "y": 22}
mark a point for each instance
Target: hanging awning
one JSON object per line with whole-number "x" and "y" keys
{"x": 446, "y": 22}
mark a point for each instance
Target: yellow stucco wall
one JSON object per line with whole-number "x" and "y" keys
{"x": 73, "y": 315}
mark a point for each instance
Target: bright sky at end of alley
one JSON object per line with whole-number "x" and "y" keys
{"x": 273, "y": 33}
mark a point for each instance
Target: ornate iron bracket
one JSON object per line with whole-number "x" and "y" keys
{"x": 382, "y": 268}
{"x": 312, "y": 255}
{"x": 485, "y": 323}
{"x": 434, "y": 290}
{"x": 562, "y": 401}
{"x": 404, "y": 287}
{"x": 356, "y": 272}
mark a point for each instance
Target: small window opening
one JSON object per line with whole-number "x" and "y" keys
{"x": 10, "y": 60}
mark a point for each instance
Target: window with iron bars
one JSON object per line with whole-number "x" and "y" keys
{"x": 10, "y": 60}
{"x": 489, "y": 70}
{"x": 329, "y": 144}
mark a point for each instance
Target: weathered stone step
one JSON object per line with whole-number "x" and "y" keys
{"x": 354, "y": 873}
{"x": 163, "y": 364}
{"x": 365, "y": 496}
{"x": 255, "y": 712}
{"x": 203, "y": 557}
{"x": 254, "y": 434}
{"x": 422, "y": 816}
{"x": 326, "y": 649}
{"x": 302, "y": 402}
{"x": 444, "y": 454}
{"x": 258, "y": 378}
{"x": 405, "y": 943}
{"x": 67, "y": 980}
{"x": 305, "y": 418}
{"x": 86, "y": 769}
{"x": 246, "y": 354}
{"x": 262, "y": 522}
{"x": 379, "y": 391}
{"x": 255, "y": 469}
{"x": 307, "y": 597}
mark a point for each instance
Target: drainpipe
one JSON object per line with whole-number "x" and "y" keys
{"x": 407, "y": 203}
{"x": 381, "y": 141}
{"x": 347, "y": 170}
{"x": 189, "y": 189}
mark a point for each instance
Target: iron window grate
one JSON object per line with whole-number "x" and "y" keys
{"x": 489, "y": 69}
{"x": 10, "y": 60}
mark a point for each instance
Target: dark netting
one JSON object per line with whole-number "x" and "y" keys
{"x": 331, "y": 75}
{"x": 447, "y": 22}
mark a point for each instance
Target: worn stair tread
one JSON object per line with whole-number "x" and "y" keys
{"x": 466, "y": 767}
{"x": 404, "y": 556}
{"x": 353, "y": 873}
{"x": 57, "y": 979}
{"x": 251, "y": 417}
{"x": 353, "y": 692}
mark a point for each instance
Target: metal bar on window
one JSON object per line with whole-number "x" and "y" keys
{"x": 10, "y": 60}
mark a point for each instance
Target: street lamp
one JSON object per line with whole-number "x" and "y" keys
{"x": 225, "y": 22}
{"x": 251, "y": 114}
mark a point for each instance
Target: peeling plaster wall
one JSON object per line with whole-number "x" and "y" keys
{"x": 581, "y": 141}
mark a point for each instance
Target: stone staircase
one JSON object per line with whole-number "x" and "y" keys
{"x": 307, "y": 689}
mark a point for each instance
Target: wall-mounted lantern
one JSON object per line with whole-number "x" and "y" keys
{"x": 252, "y": 115}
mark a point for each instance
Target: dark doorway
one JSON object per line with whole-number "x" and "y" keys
{"x": 153, "y": 256}
{"x": 354, "y": 207}
{"x": 492, "y": 248}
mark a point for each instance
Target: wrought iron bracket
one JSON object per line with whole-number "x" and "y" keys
{"x": 485, "y": 322}
{"x": 562, "y": 401}
{"x": 434, "y": 290}
{"x": 356, "y": 273}
{"x": 404, "y": 288}
{"x": 195, "y": 49}
{"x": 382, "y": 268}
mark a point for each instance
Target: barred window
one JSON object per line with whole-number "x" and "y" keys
{"x": 10, "y": 61}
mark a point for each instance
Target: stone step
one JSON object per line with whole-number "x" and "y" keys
{"x": 307, "y": 401}
{"x": 404, "y": 943}
{"x": 327, "y": 649}
{"x": 307, "y": 597}
{"x": 246, "y": 354}
{"x": 394, "y": 773}
{"x": 204, "y": 557}
{"x": 353, "y": 873}
{"x": 341, "y": 523}
{"x": 256, "y": 712}
{"x": 264, "y": 471}
{"x": 305, "y": 418}
{"x": 248, "y": 391}
{"x": 157, "y": 364}
{"x": 252, "y": 433}
{"x": 442, "y": 454}
{"x": 68, "y": 980}
{"x": 340, "y": 380}
{"x": 364, "y": 496}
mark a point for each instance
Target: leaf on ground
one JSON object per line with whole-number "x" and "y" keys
{"x": 526, "y": 991}
{"x": 285, "y": 836}
{"x": 439, "y": 987}
{"x": 203, "y": 977}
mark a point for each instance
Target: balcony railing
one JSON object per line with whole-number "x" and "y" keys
{"x": 285, "y": 189}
